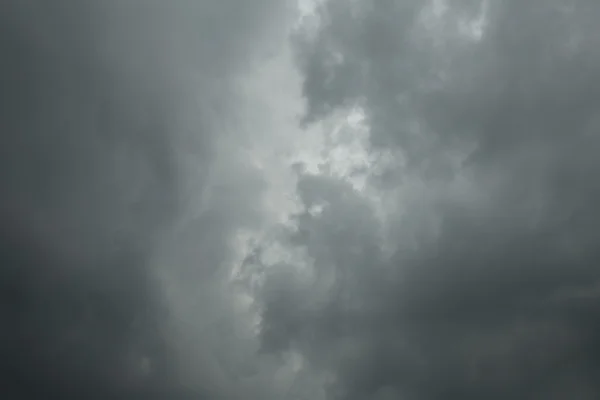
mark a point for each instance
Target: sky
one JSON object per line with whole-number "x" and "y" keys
{"x": 290, "y": 200}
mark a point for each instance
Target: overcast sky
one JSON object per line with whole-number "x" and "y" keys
{"x": 324, "y": 200}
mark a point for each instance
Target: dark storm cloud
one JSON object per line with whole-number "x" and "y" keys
{"x": 498, "y": 298}
{"x": 99, "y": 102}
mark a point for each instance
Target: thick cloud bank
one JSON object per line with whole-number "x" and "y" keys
{"x": 491, "y": 289}
{"x": 158, "y": 238}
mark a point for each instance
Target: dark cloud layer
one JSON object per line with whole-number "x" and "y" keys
{"x": 99, "y": 103}
{"x": 121, "y": 155}
{"x": 493, "y": 289}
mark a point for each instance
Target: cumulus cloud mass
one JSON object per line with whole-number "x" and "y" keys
{"x": 282, "y": 199}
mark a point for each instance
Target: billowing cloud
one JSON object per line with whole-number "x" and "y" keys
{"x": 491, "y": 287}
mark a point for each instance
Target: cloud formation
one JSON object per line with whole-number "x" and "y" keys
{"x": 113, "y": 116}
{"x": 158, "y": 239}
{"x": 492, "y": 288}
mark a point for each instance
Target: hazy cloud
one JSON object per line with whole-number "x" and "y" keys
{"x": 113, "y": 118}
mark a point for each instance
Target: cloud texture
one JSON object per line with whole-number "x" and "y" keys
{"x": 492, "y": 289}
{"x": 436, "y": 241}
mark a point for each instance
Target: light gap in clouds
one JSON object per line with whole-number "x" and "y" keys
{"x": 337, "y": 146}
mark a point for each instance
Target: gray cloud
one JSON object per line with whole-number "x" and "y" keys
{"x": 498, "y": 297}
{"x": 102, "y": 105}
{"x": 126, "y": 180}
